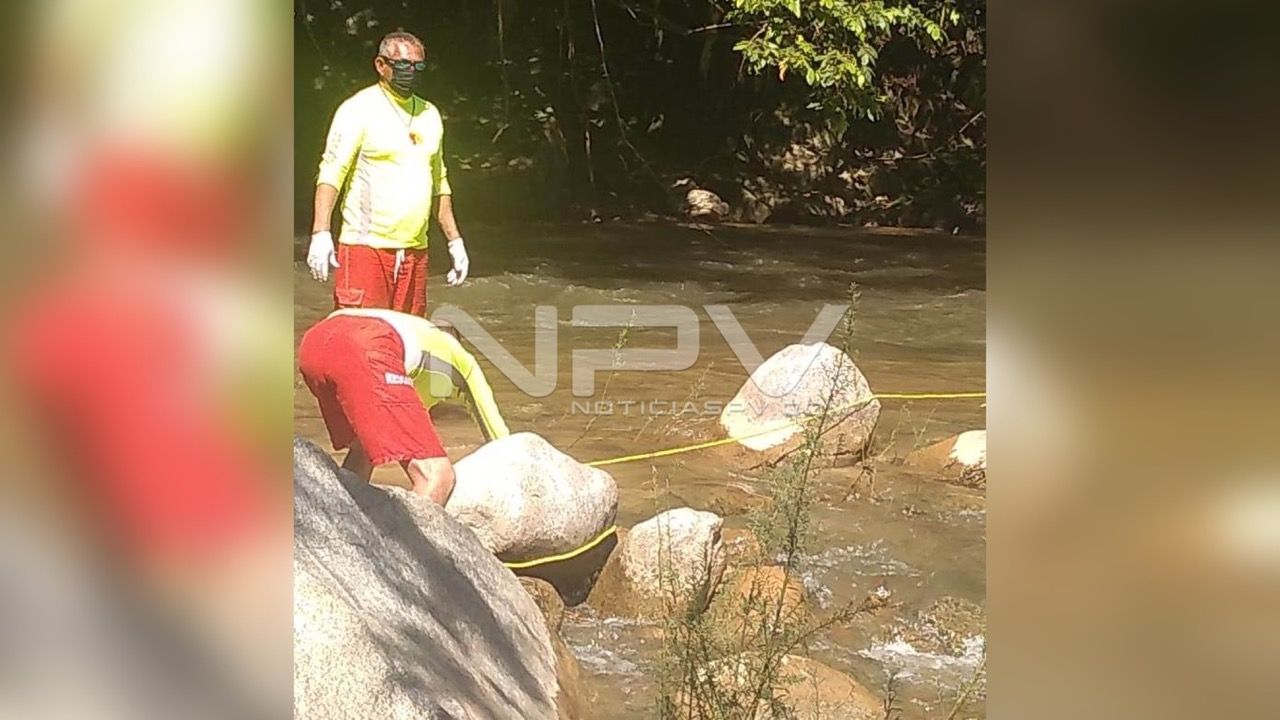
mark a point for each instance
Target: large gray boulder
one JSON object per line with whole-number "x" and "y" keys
{"x": 795, "y": 386}
{"x": 672, "y": 562}
{"x": 525, "y": 499}
{"x": 400, "y": 612}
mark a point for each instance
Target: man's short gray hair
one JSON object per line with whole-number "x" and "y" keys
{"x": 399, "y": 36}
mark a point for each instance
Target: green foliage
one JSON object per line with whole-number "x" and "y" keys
{"x": 598, "y": 107}
{"x": 728, "y": 663}
{"x": 833, "y": 45}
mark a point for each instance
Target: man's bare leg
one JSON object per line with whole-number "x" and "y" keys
{"x": 358, "y": 462}
{"x": 432, "y": 478}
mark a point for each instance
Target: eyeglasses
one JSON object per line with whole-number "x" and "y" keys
{"x": 404, "y": 64}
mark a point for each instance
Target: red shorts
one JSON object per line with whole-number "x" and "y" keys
{"x": 355, "y": 368}
{"x": 368, "y": 277}
{"x": 127, "y": 426}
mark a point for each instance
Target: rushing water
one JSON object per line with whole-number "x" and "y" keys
{"x": 920, "y": 327}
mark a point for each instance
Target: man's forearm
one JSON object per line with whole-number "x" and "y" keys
{"x": 326, "y": 198}
{"x": 483, "y": 407}
{"x": 448, "y": 225}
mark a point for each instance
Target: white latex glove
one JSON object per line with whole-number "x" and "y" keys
{"x": 321, "y": 255}
{"x": 461, "y": 263}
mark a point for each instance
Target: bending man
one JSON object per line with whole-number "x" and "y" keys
{"x": 375, "y": 372}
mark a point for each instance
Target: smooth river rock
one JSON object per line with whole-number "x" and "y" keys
{"x": 672, "y": 562}
{"x": 815, "y": 690}
{"x": 526, "y": 500}
{"x": 756, "y": 598}
{"x": 400, "y": 612}
{"x": 805, "y": 687}
{"x": 702, "y": 204}
{"x": 960, "y": 459}
{"x": 548, "y": 600}
{"x": 793, "y": 387}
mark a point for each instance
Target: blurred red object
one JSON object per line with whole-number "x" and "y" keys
{"x": 134, "y": 199}
{"x": 113, "y": 352}
{"x": 114, "y": 372}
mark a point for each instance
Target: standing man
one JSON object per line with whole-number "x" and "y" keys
{"x": 389, "y": 143}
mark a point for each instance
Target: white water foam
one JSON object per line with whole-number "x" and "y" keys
{"x": 591, "y": 637}
{"x": 601, "y": 661}
{"x": 871, "y": 559}
{"x": 912, "y": 664}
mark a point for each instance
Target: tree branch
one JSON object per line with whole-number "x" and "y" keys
{"x": 613, "y": 96}
{"x": 666, "y": 22}
{"x": 717, "y": 26}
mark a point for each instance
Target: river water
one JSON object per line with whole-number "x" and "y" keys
{"x": 920, "y": 327}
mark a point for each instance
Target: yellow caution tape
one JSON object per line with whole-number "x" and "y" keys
{"x": 564, "y": 556}
{"x": 783, "y": 426}
{"x": 675, "y": 450}
{"x": 726, "y": 441}
{"x": 931, "y": 396}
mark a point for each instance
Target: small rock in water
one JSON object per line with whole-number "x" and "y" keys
{"x": 961, "y": 459}
{"x": 808, "y": 689}
{"x": 878, "y": 598}
{"x": 671, "y": 562}
{"x": 547, "y": 599}
{"x": 946, "y": 627}
{"x": 754, "y": 596}
{"x": 702, "y": 204}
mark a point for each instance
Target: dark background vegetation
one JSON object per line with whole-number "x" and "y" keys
{"x": 790, "y": 110}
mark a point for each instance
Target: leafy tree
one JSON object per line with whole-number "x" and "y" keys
{"x": 564, "y": 106}
{"x": 832, "y": 45}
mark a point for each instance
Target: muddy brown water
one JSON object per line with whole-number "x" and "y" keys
{"x": 920, "y": 328}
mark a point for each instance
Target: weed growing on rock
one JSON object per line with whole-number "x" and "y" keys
{"x": 729, "y": 661}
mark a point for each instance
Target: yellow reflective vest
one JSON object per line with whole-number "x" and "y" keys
{"x": 441, "y": 368}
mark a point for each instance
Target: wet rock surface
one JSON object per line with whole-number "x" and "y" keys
{"x": 547, "y": 599}
{"x": 400, "y": 612}
{"x": 526, "y": 500}
{"x": 670, "y": 563}
{"x": 800, "y": 385}
{"x": 574, "y": 577}
{"x": 756, "y": 598}
{"x": 946, "y": 627}
{"x": 961, "y": 459}
{"x": 807, "y": 689}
